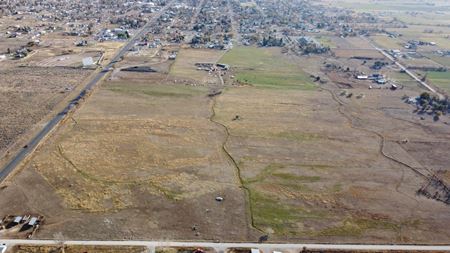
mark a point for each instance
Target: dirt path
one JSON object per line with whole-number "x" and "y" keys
{"x": 249, "y": 205}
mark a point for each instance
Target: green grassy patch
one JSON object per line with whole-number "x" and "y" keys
{"x": 439, "y": 59}
{"x": 288, "y": 176}
{"x": 326, "y": 41}
{"x": 399, "y": 76}
{"x": 357, "y": 226}
{"x": 273, "y": 214}
{"x": 440, "y": 79}
{"x": 269, "y": 213}
{"x": 266, "y": 68}
{"x": 387, "y": 42}
{"x": 336, "y": 187}
{"x": 267, "y": 171}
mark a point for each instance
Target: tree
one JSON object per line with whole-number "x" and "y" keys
{"x": 425, "y": 96}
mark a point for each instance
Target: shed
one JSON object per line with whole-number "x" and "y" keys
{"x": 88, "y": 61}
{"x": 362, "y": 77}
{"x": 381, "y": 81}
{"x": 255, "y": 251}
{"x": 33, "y": 221}
{"x": 17, "y": 219}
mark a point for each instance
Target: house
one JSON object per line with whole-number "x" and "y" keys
{"x": 381, "y": 81}
{"x": 17, "y": 219}
{"x": 32, "y": 221}
{"x": 173, "y": 56}
{"x": 362, "y": 77}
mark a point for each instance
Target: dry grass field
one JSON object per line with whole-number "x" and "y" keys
{"x": 146, "y": 156}
{"x": 161, "y": 160}
{"x": 184, "y": 65}
{"x": 319, "y": 180}
{"x": 61, "y": 58}
{"x": 77, "y": 249}
{"x": 28, "y": 94}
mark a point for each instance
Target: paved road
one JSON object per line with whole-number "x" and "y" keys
{"x": 402, "y": 67}
{"x": 266, "y": 248}
{"x": 31, "y": 146}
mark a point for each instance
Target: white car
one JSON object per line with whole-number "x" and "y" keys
{"x": 2, "y": 248}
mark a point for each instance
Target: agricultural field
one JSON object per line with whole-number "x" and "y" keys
{"x": 184, "y": 65}
{"x": 386, "y": 42}
{"x": 295, "y": 191}
{"x": 443, "y": 60}
{"x": 177, "y": 165}
{"x": 354, "y": 47}
{"x": 224, "y": 121}
{"x": 326, "y": 41}
{"x": 390, "y": 6}
{"x": 177, "y": 155}
{"x": 265, "y": 68}
{"x": 440, "y": 79}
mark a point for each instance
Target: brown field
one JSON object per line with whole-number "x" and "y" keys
{"x": 179, "y": 167}
{"x": 351, "y": 43}
{"x": 146, "y": 156}
{"x": 184, "y": 64}
{"x": 354, "y": 47}
{"x": 366, "y": 53}
{"x": 53, "y": 58}
{"x": 28, "y": 94}
{"x": 386, "y": 42}
{"x": 77, "y": 249}
{"x": 419, "y": 63}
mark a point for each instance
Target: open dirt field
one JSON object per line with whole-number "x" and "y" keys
{"x": 148, "y": 154}
{"x": 64, "y": 58}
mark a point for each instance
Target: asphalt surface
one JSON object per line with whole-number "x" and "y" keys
{"x": 34, "y": 142}
{"x": 222, "y": 247}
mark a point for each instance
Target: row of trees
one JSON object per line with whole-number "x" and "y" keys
{"x": 272, "y": 42}
{"x": 426, "y": 103}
